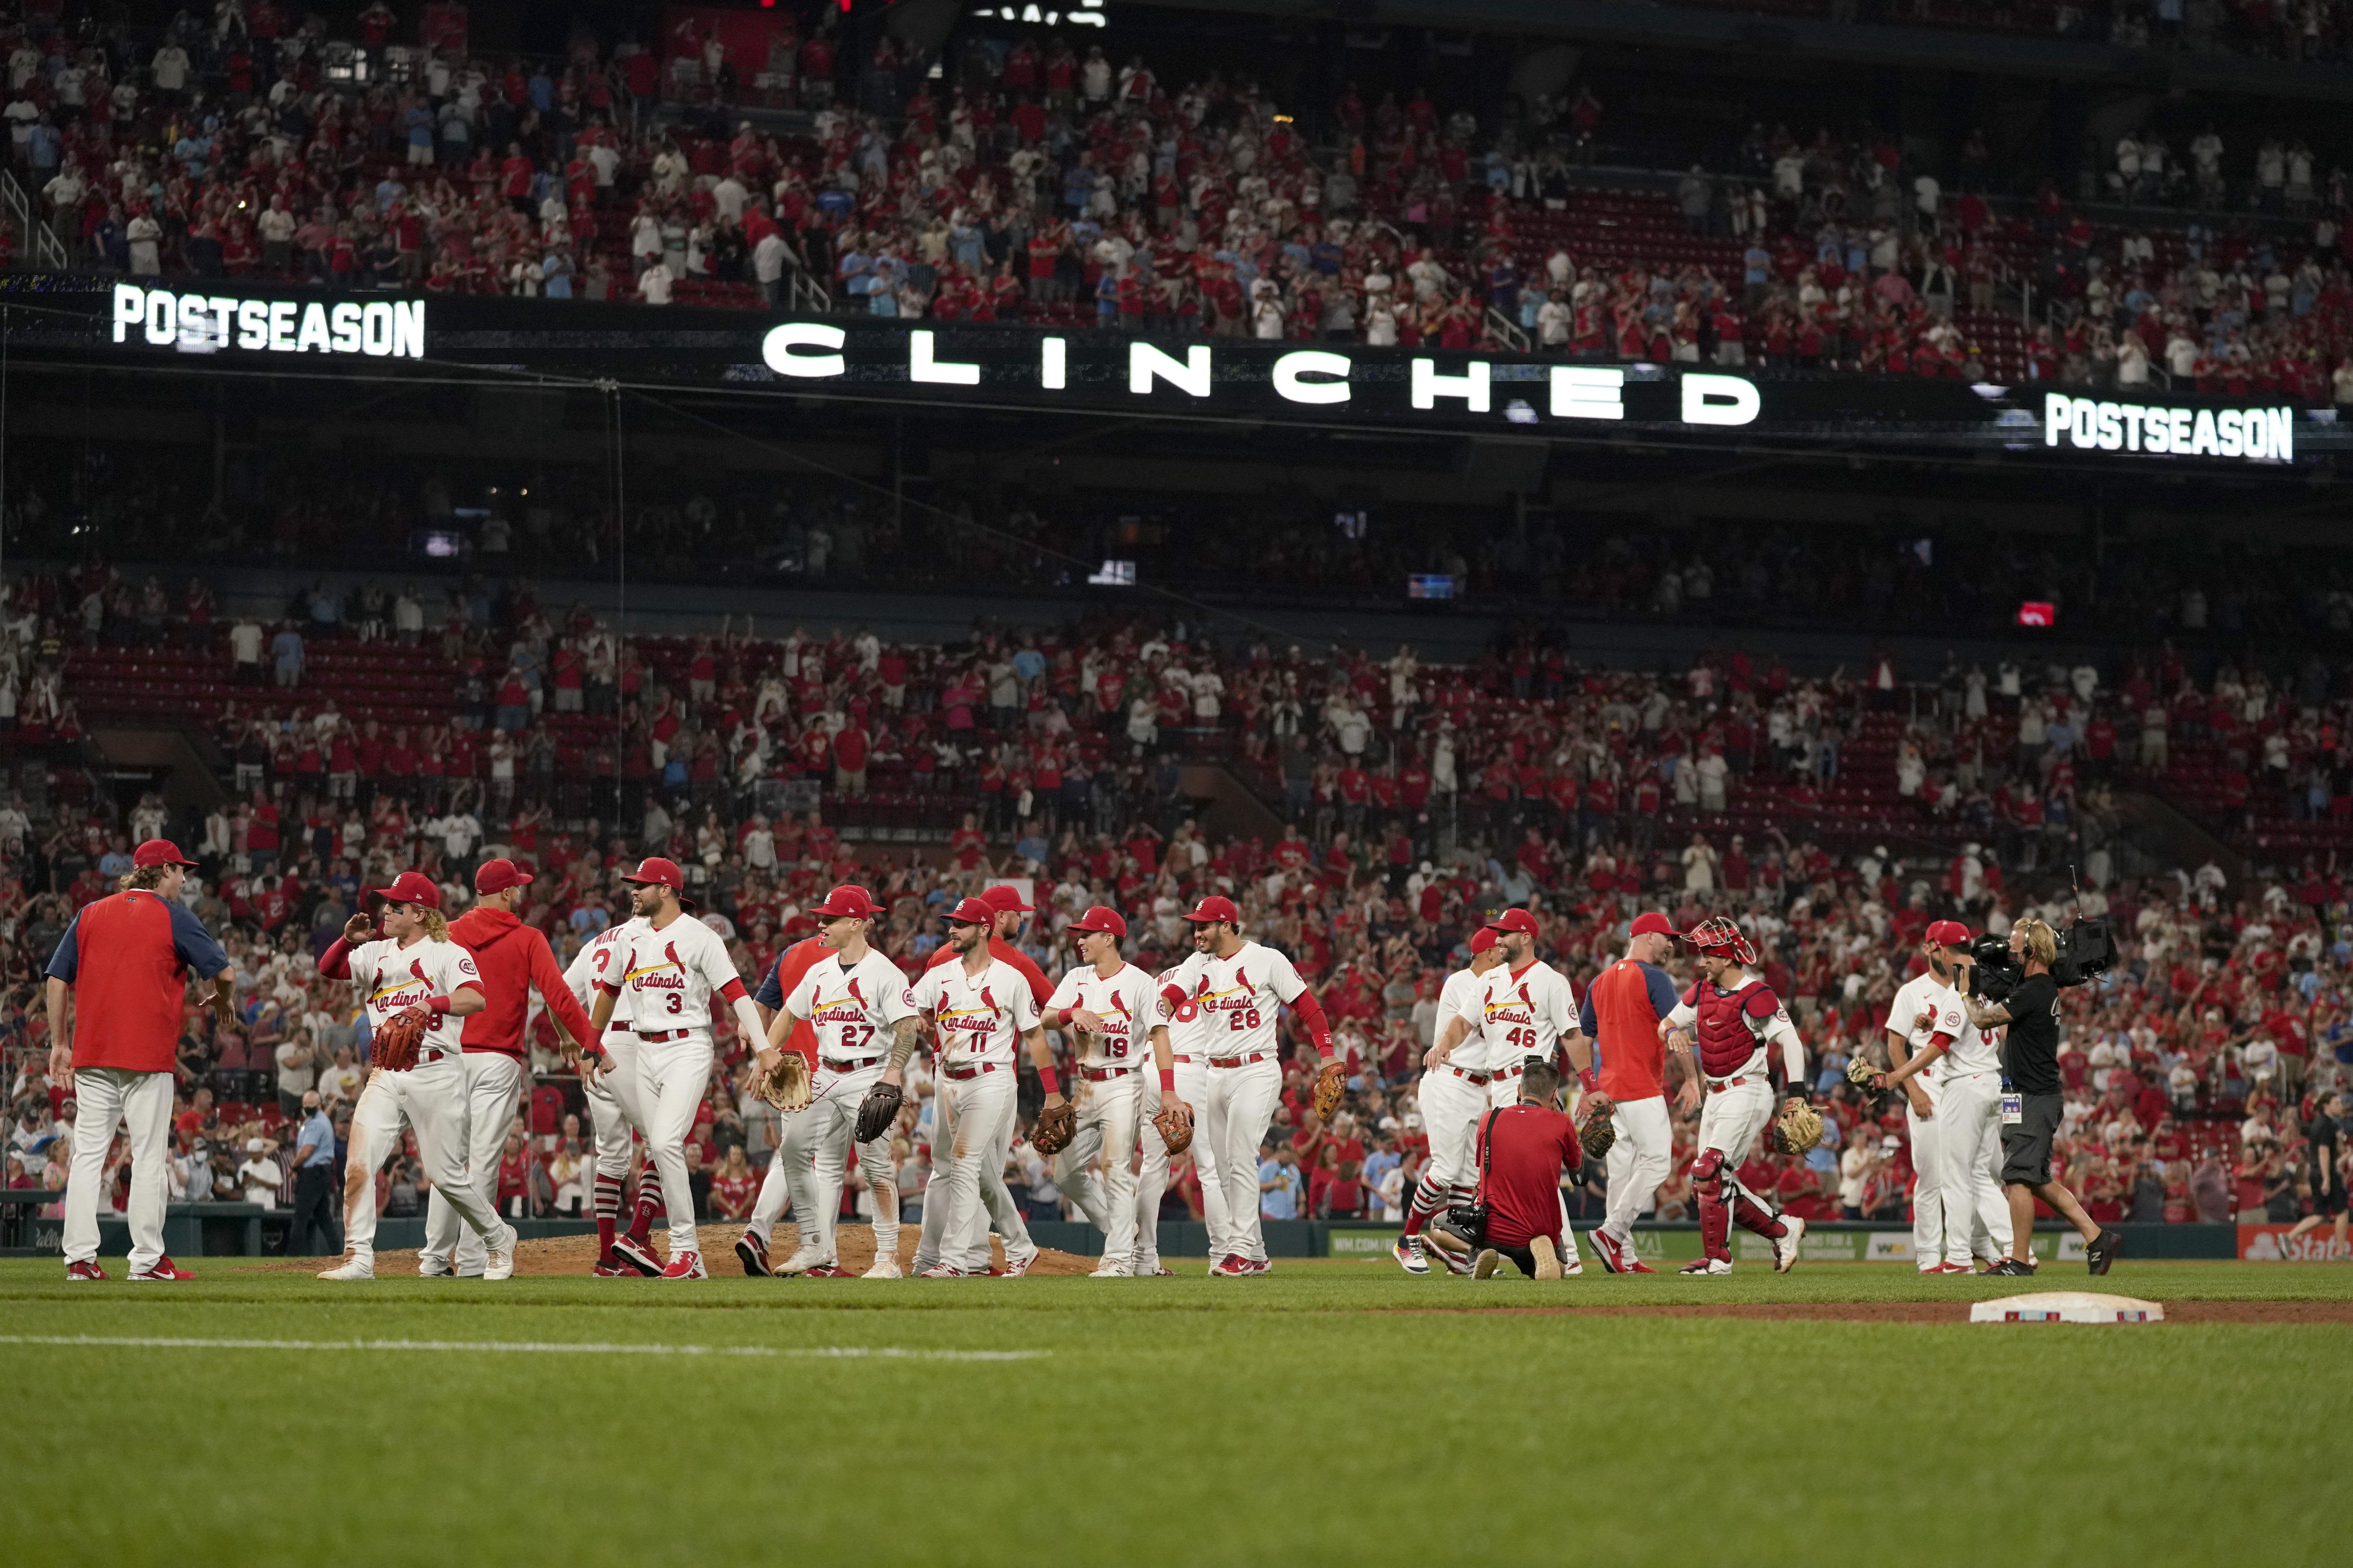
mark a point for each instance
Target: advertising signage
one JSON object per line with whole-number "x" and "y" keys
{"x": 1144, "y": 376}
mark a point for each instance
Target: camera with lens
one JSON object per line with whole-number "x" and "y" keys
{"x": 2086, "y": 947}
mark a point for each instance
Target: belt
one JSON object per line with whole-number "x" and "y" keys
{"x": 1241, "y": 1061}
{"x": 852, "y": 1064}
{"x": 1097, "y": 1075}
{"x": 671, "y": 1035}
{"x": 960, "y": 1074}
{"x": 1481, "y": 1079}
{"x": 1186, "y": 1060}
{"x": 1715, "y": 1087}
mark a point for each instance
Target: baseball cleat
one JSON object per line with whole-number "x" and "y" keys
{"x": 1484, "y": 1267}
{"x": 1258, "y": 1265}
{"x": 753, "y": 1254}
{"x": 1407, "y": 1252}
{"x": 884, "y": 1268}
{"x": 1706, "y": 1266}
{"x": 1112, "y": 1271}
{"x": 1617, "y": 1258}
{"x": 1158, "y": 1270}
{"x": 163, "y": 1268}
{"x": 1019, "y": 1265}
{"x": 498, "y": 1258}
{"x": 1785, "y": 1248}
{"x": 826, "y": 1271}
{"x": 2098, "y": 1255}
{"x": 1232, "y": 1266}
{"x": 611, "y": 1268}
{"x": 353, "y": 1268}
{"x": 1456, "y": 1263}
{"x": 2013, "y": 1267}
{"x": 434, "y": 1265}
{"x": 802, "y": 1260}
{"x": 1541, "y": 1247}
{"x": 86, "y": 1269}
{"x": 685, "y": 1266}
{"x": 946, "y": 1271}
{"x": 634, "y": 1254}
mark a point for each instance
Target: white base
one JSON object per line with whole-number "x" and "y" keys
{"x": 2066, "y": 1307}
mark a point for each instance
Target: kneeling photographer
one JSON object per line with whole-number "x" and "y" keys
{"x": 2032, "y": 1107}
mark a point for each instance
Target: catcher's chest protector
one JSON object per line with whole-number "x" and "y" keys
{"x": 1731, "y": 1029}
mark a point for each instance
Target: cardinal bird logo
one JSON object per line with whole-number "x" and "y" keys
{"x": 986, "y": 1000}
{"x": 855, "y": 994}
{"x": 416, "y": 967}
{"x": 1526, "y": 999}
{"x": 670, "y": 951}
{"x": 1119, "y": 1006}
{"x": 1242, "y": 980}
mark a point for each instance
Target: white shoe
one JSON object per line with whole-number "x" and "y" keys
{"x": 1484, "y": 1267}
{"x": 1540, "y": 1249}
{"x": 434, "y": 1265}
{"x": 1706, "y": 1266}
{"x": 1785, "y": 1249}
{"x": 802, "y": 1260}
{"x": 360, "y": 1266}
{"x": 884, "y": 1268}
{"x": 1015, "y": 1266}
{"x": 1112, "y": 1271}
{"x": 497, "y": 1262}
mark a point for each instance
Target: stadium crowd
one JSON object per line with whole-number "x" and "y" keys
{"x": 1421, "y": 797}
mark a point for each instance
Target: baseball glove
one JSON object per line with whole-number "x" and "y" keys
{"x": 877, "y": 1112}
{"x": 395, "y": 1044}
{"x": 1054, "y": 1128}
{"x": 1860, "y": 1072}
{"x": 1175, "y": 1127}
{"x": 1798, "y": 1128}
{"x": 1331, "y": 1084}
{"x": 786, "y": 1085}
{"x": 1599, "y": 1134}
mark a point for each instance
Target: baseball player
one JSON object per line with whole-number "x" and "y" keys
{"x": 1240, "y": 989}
{"x": 413, "y": 965}
{"x": 673, "y": 969}
{"x": 862, "y": 1010}
{"x": 513, "y": 958}
{"x": 1528, "y": 1010}
{"x": 616, "y": 1113}
{"x": 976, "y": 1008}
{"x": 1733, "y": 1015}
{"x": 1950, "y": 1073}
{"x": 1188, "y": 1047}
{"x": 775, "y": 1187}
{"x": 1519, "y": 1153}
{"x": 1105, "y": 1002}
{"x": 1455, "y": 1073}
{"x": 1623, "y": 1009}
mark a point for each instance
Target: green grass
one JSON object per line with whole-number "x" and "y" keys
{"x": 1296, "y": 1419}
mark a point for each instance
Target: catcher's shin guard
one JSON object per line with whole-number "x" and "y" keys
{"x": 1715, "y": 1217}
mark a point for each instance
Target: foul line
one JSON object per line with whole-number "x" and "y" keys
{"x": 525, "y": 1347}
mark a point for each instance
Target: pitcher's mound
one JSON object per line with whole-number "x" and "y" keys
{"x": 577, "y": 1253}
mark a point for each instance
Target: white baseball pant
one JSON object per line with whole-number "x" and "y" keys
{"x": 1106, "y": 1128}
{"x": 142, "y": 1102}
{"x": 614, "y": 1111}
{"x": 998, "y": 1207}
{"x": 431, "y": 1098}
{"x": 1971, "y": 1112}
{"x": 1151, "y": 1176}
{"x": 1450, "y": 1108}
{"x": 1730, "y": 1119}
{"x": 1637, "y": 1162}
{"x": 955, "y": 1207}
{"x": 881, "y": 1180}
{"x": 814, "y": 1155}
{"x": 671, "y": 1077}
{"x": 1929, "y": 1159}
{"x": 1236, "y": 1110}
{"x": 493, "y": 1088}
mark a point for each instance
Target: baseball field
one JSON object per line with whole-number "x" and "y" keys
{"x": 1331, "y": 1412}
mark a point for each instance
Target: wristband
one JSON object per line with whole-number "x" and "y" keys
{"x": 1167, "y": 1080}
{"x": 1062, "y": 1018}
{"x": 1589, "y": 1079}
{"x": 437, "y": 1005}
{"x": 1046, "y": 1076}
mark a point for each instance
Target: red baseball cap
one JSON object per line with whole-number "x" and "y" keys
{"x": 1520, "y": 921}
{"x": 852, "y": 902}
{"x": 1215, "y": 907}
{"x": 412, "y": 888}
{"x": 1483, "y": 938}
{"x": 159, "y": 852}
{"x": 498, "y": 873}
{"x": 967, "y": 912}
{"x": 1948, "y": 934}
{"x": 1651, "y": 923}
{"x": 1006, "y": 898}
{"x": 655, "y": 870}
{"x": 1101, "y": 918}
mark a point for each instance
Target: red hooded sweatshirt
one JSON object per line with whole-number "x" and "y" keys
{"x": 514, "y": 957}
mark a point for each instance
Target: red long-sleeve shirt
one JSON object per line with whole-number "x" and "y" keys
{"x": 513, "y": 958}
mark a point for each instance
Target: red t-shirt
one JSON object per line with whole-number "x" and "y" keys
{"x": 123, "y": 955}
{"x": 1530, "y": 1146}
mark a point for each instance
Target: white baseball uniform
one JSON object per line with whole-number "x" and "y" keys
{"x": 430, "y": 1097}
{"x": 1924, "y": 993}
{"x": 1110, "y": 1093}
{"x": 1977, "y": 1212}
{"x": 977, "y": 1020}
{"x": 1239, "y": 1000}
{"x": 673, "y": 974}
{"x": 1189, "y": 1045}
{"x": 1733, "y": 1113}
{"x": 1524, "y": 1013}
{"x": 1453, "y": 1095}
{"x": 615, "y": 1111}
{"x": 854, "y": 1009}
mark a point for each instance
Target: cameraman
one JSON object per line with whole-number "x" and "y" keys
{"x": 2032, "y": 1108}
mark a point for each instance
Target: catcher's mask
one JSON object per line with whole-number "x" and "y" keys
{"x": 1719, "y": 937}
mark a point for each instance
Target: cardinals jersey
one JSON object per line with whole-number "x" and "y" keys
{"x": 1732, "y": 1027}
{"x": 671, "y": 975}
{"x": 1524, "y": 1012}
{"x": 976, "y": 1015}
{"x": 852, "y": 1006}
{"x": 601, "y": 960}
{"x": 1188, "y": 1036}
{"x": 391, "y": 979}
{"x": 1460, "y": 998}
{"x": 1239, "y": 999}
{"x": 1122, "y": 1002}
{"x": 1924, "y": 993}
